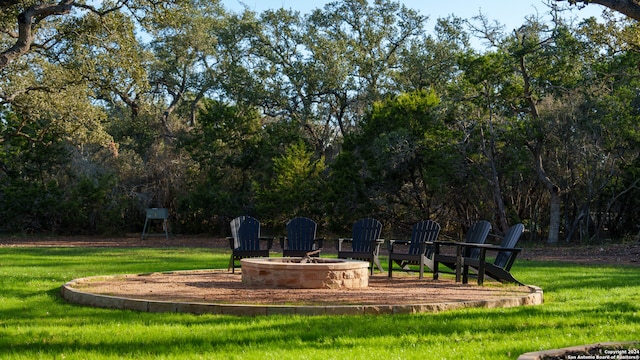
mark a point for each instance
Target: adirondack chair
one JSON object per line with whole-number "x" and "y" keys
{"x": 301, "y": 237}
{"x": 365, "y": 243}
{"x": 500, "y": 268}
{"x": 423, "y": 234}
{"x": 477, "y": 234}
{"x": 245, "y": 240}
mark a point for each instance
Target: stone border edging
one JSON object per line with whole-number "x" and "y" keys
{"x": 535, "y": 297}
{"x": 537, "y": 355}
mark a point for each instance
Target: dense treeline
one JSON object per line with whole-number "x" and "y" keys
{"x": 353, "y": 110}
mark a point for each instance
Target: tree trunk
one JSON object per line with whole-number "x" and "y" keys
{"x": 494, "y": 181}
{"x": 495, "y": 177}
{"x": 554, "y": 216}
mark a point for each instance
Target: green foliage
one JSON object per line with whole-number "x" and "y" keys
{"x": 296, "y": 188}
{"x": 332, "y": 114}
{"x": 398, "y": 164}
{"x": 88, "y": 207}
{"x": 80, "y": 205}
{"x": 225, "y": 148}
{"x": 249, "y": 166}
{"x": 47, "y": 187}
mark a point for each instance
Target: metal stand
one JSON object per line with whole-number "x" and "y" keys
{"x": 153, "y": 214}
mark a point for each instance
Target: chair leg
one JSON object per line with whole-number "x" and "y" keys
{"x": 165, "y": 226}
{"x": 231, "y": 264}
{"x": 435, "y": 269}
{"x": 376, "y": 261}
{"x": 144, "y": 229}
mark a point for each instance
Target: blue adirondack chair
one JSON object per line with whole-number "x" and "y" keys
{"x": 245, "y": 240}
{"x": 477, "y": 234}
{"x": 365, "y": 243}
{"x": 301, "y": 238}
{"x": 423, "y": 234}
{"x": 506, "y": 255}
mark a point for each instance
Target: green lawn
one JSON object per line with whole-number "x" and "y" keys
{"x": 583, "y": 305}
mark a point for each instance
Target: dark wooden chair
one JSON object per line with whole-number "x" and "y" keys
{"x": 301, "y": 238}
{"x": 418, "y": 249}
{"x": 365, "y": 243}
{"x": 245, "y": 240}
{"x": 500, "y": 268}
{"x": 477, "y": 234}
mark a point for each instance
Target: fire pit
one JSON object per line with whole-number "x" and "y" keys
{"x": 304, "y": 273}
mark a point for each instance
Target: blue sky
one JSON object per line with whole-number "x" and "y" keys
{"x": 510, "y": 13}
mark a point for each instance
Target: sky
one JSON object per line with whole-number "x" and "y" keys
{"x": 510, "y": 13}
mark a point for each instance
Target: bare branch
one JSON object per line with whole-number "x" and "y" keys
{"x": 101, "y": 13}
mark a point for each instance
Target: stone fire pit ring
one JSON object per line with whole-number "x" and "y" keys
{"x": 218, "y": 291}
{"x": 301, "y": 273}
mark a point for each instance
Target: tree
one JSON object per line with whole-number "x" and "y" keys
{"x": 548, "y": 83}
{"x": 326, "y": 92}
{"x": 367, "y": 43}
{"x": 296, "y": 188}
{"x": 431, "y": 61}
{"x": 195, "y": 50}
{"x": 28, "y": 23}
{"x": 398, "y": 166}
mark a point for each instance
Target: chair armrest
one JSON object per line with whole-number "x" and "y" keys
{"x": 375, "y": 243}
{"x": 282, "y": 239}
{"x": 392, "y": 242}
{"x": 436, "y": 244}
{"x": 400, "y": 241}
{"x": 339, "y": 242}
{"x": 231, "y": 242}
{"x": 448, "y": 242}
{"x": 319, "y": 242}
{"x": 490, "y": 247}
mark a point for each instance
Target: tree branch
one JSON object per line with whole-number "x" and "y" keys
{"x": 101, "y": 13}
{"x": 26, "y": 22}
{"x": 630, "y": 8}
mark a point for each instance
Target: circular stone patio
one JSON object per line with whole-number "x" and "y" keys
{"x": 221, "y": 292}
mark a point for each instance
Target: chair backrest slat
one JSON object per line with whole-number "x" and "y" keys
{"x": 477, "y": 234}
{"x": 246, "y": 233}
{"x": 364, "y": 232}
{"x": 301, "y": 233}
{"x": 510, "y": 240}
{"x": 422, "y": 232}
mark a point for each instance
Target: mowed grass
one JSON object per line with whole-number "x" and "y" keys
{"x": 583, "y": 305}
